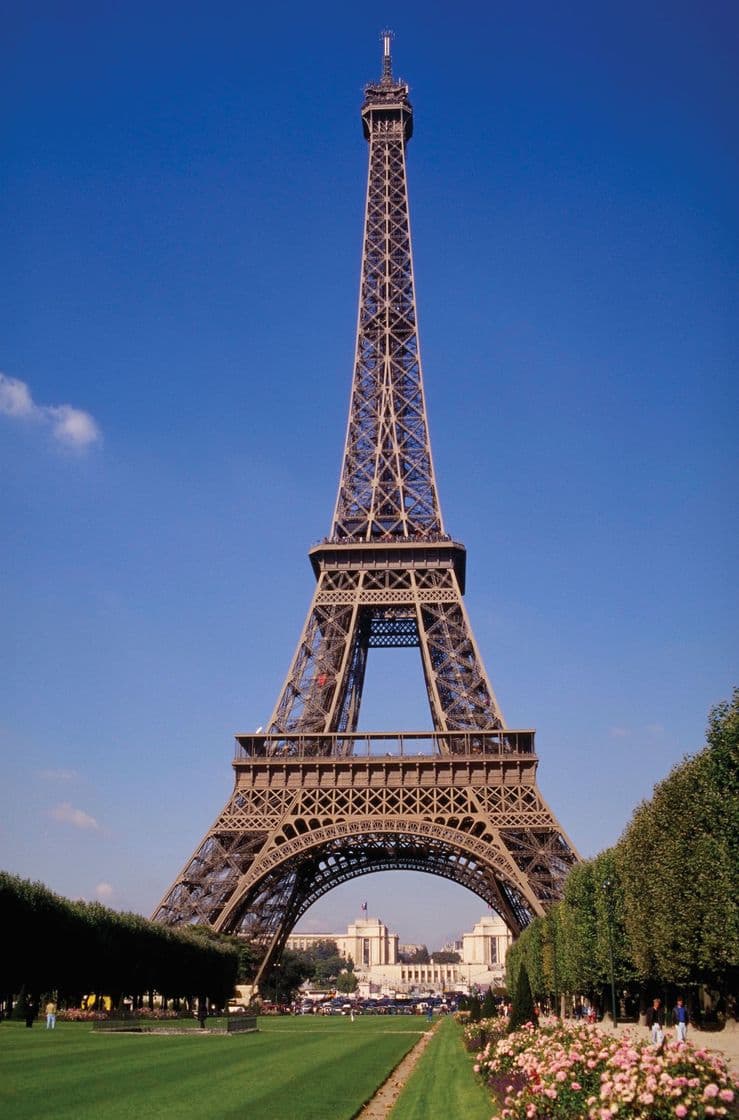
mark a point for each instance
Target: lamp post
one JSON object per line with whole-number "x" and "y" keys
{"x": 607, "y": 885}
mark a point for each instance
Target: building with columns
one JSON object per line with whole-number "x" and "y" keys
{"x": 374, "y": 951}
{"x": 368, "y": 942}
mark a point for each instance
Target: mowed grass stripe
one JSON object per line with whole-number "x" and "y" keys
{"x": 299, "y": 1069}
{"x": 336, "y": 1082}
{"x": 443, "y": 1084}
{"x": 118, "y": 1077}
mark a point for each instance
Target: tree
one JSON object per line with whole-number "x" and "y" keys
{"x": 580, "y": 971}
{"x": 285, "y": 977}
{"x": 419, "y": 955}
{"x": 475, "y": 1008}
{"x": 346, "y": 982}
{"x": 445, "y": 956}
{"x": 322, "y": 962}
{"x": 489, "y": 1007}
{"x": 523, "y": 1002}
{"x": 679, "y": 864}
{"x": 79, "y": 947}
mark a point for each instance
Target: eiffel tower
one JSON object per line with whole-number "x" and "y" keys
{"x": 315, "y": 802}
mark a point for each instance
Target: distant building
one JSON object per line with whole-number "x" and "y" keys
{"x": 367, "y": 941}
{"x": 374, "y": 951}
{"x": 409, "y": 950}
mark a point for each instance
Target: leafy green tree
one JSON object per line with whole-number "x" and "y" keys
{"x": 679, "y": 864}
{"x": 77, "y": 948}
{"x": 285, "y": 976}
{"x": 445, "y": 956}
{"x": 346, "y": 982}
{"x": 579, "y": 960}
{"x": 322, "y": 962}
{"x": 328, "y": 968}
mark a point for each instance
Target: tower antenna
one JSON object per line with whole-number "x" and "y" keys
{"x": 387, "y": 37}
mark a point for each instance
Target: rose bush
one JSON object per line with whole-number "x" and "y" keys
{"x": 566, "y": 1072}
{"x": 478, "y": 1035}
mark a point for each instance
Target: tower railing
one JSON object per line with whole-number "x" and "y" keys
{"x": 379, "y": 744}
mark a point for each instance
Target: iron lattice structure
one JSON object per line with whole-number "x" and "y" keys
{"x": 316, "y": 803}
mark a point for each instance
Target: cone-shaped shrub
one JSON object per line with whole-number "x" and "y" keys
{"x": 523, "y": 1002}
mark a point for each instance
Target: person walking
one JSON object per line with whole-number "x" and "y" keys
{"x": 50, "y": 1015}
{"x": 680, "y": 1020}
{"x": 656, "y": 1021}
{"x": 31, "y": 1011}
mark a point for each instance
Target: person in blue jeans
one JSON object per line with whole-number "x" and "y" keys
{"x": 680, "y": 1020}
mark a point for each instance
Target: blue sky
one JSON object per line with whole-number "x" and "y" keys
{"x": 181, "y": 239}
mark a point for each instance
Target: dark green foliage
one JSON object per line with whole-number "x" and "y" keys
{"x": 475, "y": 1008}
{"x": 323, "y": 963}
{"x": 445, "y": 956}
{"x": 489, "y": 1007}
{"x": 285, "y": 977}
{"x": 73, "y": 948}
{"x": 346, "y": 982}
{"x": 523, "y": 1002}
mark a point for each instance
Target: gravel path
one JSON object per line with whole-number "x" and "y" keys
{"x": 378, "y": 1108}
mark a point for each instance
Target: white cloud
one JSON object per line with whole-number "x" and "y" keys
{"x": 15, "y": 398}
{"x": 619, "y": 732}
{"x": 71, "y": 426}
{"x": 104, "y": 892}
{"x": 67, "y": 814}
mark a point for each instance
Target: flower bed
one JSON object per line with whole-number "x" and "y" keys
{"x": 81, "y": 1015}
{"x": 478, "y": 1035}
{"x": 568, "y": 1072}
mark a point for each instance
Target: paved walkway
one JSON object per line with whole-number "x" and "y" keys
{"x": 725, "y": 1042}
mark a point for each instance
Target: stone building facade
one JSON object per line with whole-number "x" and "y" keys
{"x": 374, "y": 951}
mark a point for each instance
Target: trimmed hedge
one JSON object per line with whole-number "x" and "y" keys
{"x": 73, "y": 948}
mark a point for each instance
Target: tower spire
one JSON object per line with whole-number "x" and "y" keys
{"x": 387, "y": 61}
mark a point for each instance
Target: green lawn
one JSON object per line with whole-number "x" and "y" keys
{"x": 305, "y": 1068}
{"x": 443, "y": 1084}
